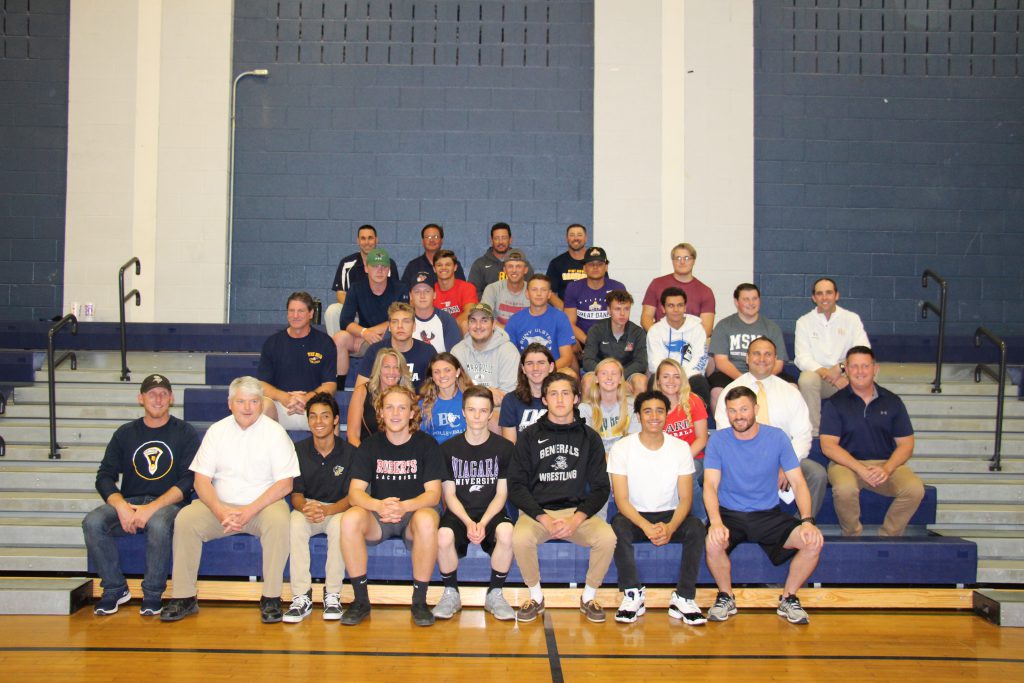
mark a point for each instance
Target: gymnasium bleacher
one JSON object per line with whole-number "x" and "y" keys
{"x": 968, "y": 530}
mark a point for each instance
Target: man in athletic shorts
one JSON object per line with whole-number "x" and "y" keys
{"x": 741, "y": 472}
{"x": 475, "y": 491}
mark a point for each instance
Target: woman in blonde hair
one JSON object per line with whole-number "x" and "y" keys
{"x": 608, "y": 405}
{"x": 686, "y": 420}
{"x": 389, "y": 369}
{"x": 441, "y": 397}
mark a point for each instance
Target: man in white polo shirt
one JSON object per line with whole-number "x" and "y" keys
{"x": 243, "y": 471}
{"x": 823, "y": 337}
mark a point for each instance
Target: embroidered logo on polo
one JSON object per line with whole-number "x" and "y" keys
{"x": 153, "y": 460}
{"x": 338, "y": 469}
{"x": 314, "y": 357}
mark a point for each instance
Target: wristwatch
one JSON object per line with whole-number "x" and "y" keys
{"x": 807, "y": 519}
{"x": 842, "y": 367}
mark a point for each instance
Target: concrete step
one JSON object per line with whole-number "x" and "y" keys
{"x": 50, "y": 476}
{"x": 1000, "y": 571}
{"x": 140, "y": 363}
{"x": 31, "y": 531}
{"x": 44, "y": 596}
{"x": 952, "y": 464}
{"x": 69, "y": 432}
{"x": 978, "y": 425}
{"x": 85, "y": 393}
{"x": 43, "y": 559}
{"x": 21, "y": 453}
{"x": 113, "y": 375}
{"x": 966, "y": 444}
{"x": 960, "y": 407}
{"x": 67, "y": 410}
{"x": 989, "y": 515}
{"x": 978, "y": 491}
{"x": 985, "y": 387}
{"x": 67, "y": 502}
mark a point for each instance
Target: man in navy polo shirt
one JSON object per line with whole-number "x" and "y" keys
{"x": 364, "y": 317}
{"x": 866, "y": 433}
{"x": 295, "y": 364}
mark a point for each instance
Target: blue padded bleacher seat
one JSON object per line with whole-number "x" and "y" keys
{"x": 17, "y": 367}
{"x": 221, "y": 370}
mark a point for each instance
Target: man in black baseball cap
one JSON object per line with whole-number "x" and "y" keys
{"x": 151, "y": 455}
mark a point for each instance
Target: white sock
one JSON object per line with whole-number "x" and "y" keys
{"x": 535, "y": 593}
{"x": 589, "y": 593}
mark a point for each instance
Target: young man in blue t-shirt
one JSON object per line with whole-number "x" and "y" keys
{"x": 542, "y": 324}
{"x": 741, "y": 475}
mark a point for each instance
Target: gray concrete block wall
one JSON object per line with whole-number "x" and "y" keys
{"x": 399, "y": 114}
{"x": 33, "y": 157}
{"x": 889, "y": 138}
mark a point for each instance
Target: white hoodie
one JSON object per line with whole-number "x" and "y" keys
{"x": 687, "y": 345}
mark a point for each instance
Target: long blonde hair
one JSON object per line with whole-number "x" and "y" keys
{"x": 683, "y": 398}
{"x": 622, "y": 394}
{"x": 429, "y": 393}
{"x": 404, "y": 377}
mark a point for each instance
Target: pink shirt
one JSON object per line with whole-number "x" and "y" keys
{"x": 699, "y": 297}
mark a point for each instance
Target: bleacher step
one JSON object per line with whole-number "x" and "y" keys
{"x": 1000, "y": 571}
{"x": 47, "y": 477}
{"x": 69, "y": 432}
{"x": 932, "y": 464}
{"x": 83, "y": 392}
{"x": 984, "y": 488}
{"x": 975, "y": 513}
{"x": 966, "y": 444}
{"x": 960, "y": 407}
{"x": 37, "y": 453}
{"x": 26, "y": 531}
{"x": 139, "y": 362}
{"x": 51, "y": 502}
{"x": 43, "y": 559}
{"x": 67, "y": 410}
{"x": 65, "y": 374}
{"x": 44, "y": 596}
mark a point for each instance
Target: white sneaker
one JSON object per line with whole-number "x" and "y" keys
{"x": 301, "y": 607}
{"x": 449, "y": 604}
{"x": 686, "y": 610}
{"x": 332, "y": 607}
{"x": 632, "y": 606}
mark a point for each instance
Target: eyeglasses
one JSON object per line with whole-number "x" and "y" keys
{"x": 683, "y": 259}
{"x": 432, "y": 238}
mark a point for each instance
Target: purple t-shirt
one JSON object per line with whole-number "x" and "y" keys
{"x": 590, "y": 304}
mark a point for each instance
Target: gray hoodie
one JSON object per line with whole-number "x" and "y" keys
{"x": 497, "y": 365}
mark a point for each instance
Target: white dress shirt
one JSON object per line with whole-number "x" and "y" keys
{"x": 786, "y": 409}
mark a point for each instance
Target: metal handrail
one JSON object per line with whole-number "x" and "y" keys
{"x": 941, "y": 312}
{"x": 51, "y": 369}
{"x": 126, "y": 374}
{"x": 318, "y": 310}
{"x": 995, "y": 464}
{"x": 3, "y": 409}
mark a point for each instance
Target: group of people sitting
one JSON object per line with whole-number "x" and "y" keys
{"x": 470, "y": 409}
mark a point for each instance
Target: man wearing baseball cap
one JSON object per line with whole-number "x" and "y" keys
{"x": 151, "y": 455}
{"x": 586, "y": 299}
{"x": 507, "y": 296}
{"x": 433, "y": 326}
{"x": 364, "y": 317}
{"x": 487, "y": 355}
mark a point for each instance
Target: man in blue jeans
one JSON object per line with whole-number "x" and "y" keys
{"x": 152, "y": 456}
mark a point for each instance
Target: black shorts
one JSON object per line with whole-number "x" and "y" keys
{"x": 768, "y": 528}
{"x": 450, "y": 521}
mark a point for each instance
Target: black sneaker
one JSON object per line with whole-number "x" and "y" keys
{"x": 421, "y": 614}
{"x": 355, "y": 613}
{"x": 301, "y": 607}
{"x": 111, "y": 600}
{"x": 270, "y": 610}
{"x": 177, "y": 609}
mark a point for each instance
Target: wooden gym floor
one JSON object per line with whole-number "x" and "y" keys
{"x": 226, "y": 641}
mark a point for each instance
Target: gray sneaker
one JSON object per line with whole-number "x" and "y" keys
{"x": 449, "y": 604}
{"x": 791, "y": 609}
{"x": 499, "y": 608}
{"x": 724, "y": 607}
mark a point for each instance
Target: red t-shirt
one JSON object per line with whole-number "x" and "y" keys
{"x": 699, "y": 297}
{"x": 678, "y": 426}
{"x": 456, "y": 299}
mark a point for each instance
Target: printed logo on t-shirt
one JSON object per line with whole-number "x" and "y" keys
{"x": 740, "y": 342}
{"x": 475, "y": 473}
{"x": 446, "y": 419}
{"x": 152, "y": 460}
{"x": 530, "y": 415}
{"x": 427, "y": 337}
{"x": 558, "y": 466}
{"x": 680, "y": 348}
{"x": 396, "y": 470}
{"x": 534, "y": 337}
{"x": 314, "y": 357}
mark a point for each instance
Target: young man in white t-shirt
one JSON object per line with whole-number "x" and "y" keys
{"x": 655, "y": 507}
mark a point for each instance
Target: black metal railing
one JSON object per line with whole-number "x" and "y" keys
{"x": 318, "y": 310}
{"x": 126, "y": 374}
{"x": 940, "y": 311}
{"x": 995, "y": 464}
{"x": 51, "y": 371}
{"x": 3, "y": 409}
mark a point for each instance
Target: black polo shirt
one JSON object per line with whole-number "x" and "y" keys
{"x": 320, "y": 478}
{"x": 866, "y": 431}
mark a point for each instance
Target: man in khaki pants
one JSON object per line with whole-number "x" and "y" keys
{"x": 556, "y": 458}
{"x": 243, "y": 470}
{"x": 866, "y": 433}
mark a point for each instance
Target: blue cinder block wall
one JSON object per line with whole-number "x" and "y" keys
{"x": 33, "y": 156}
{"x": 890, "y": 139}
{"x": 400, "y": 113}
